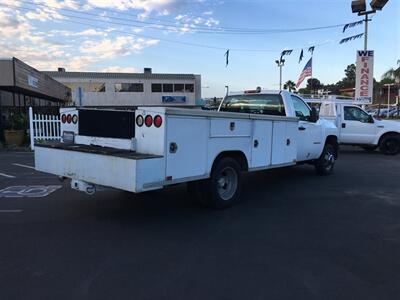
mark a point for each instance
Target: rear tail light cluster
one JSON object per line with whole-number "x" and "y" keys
{"x": 69, "y": 119}
{"x": 148, "y": 120}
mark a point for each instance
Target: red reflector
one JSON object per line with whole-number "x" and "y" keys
{"x": 63, "y": 118}
{"x": 148, "y": 120}
{"x": 157, "y": 121}
{"x": 69, "y": 119}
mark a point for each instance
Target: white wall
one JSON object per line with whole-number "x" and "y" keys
{"x": 112, "y": 98}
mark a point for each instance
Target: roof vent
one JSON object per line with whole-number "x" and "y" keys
{"x": 61, "y": 69}
{"x": 147, "y": 70}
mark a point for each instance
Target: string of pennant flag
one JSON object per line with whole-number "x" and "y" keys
{"x": 312, "y": 48}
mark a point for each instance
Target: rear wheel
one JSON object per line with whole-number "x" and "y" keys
{"x": 390, "y": 144}
{"x": 223, "y": 188}
{"x": 325, "y": 164}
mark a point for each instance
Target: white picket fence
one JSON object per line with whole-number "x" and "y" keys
{"x": 43, "y": 127}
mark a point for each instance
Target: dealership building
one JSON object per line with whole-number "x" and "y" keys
{"x": 103, "y": 89}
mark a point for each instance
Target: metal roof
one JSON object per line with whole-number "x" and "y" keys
{"x": 18, "y": 77}
{"x": 105, "y": 75}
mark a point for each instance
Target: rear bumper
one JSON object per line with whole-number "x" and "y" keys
{"x": 125, "y": 170}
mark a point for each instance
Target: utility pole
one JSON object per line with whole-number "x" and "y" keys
{"x": 280, "y": 63}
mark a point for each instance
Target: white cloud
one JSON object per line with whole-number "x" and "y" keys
{"x": 146, "y": 5}
{"x": 118, "y": 69}
{"x": 121, "y": 46}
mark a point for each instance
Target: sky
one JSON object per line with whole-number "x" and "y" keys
{"x": 192, "y": 36}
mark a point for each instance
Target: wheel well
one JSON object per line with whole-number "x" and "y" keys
{"x": 239, "y": 156}
{"x": 386, "y": 134}
{"x": 332, "y": 139}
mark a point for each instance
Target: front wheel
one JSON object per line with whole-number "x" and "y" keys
{"x": 223, "y": 188}
{"x": 390, "y": 144}
{"x": 325, "y": 164}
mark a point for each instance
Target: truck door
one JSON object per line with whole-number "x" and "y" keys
{"x": 309, "y": 142}
{"x": 356, "y": 126}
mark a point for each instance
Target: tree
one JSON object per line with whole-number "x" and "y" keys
{"x": 393, "y": 73}
{"x": 350, "y": 73}
{"x": 290, "y": 85}
{"x": 313, "y": 84}
{"x": 350, "y": 80}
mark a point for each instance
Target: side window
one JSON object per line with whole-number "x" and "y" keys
{"x": 302, "y": 110}
{"x": 353, "y": 113}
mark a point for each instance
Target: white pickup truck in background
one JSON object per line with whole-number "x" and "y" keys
{"x": 358, "y": 128}
{"x": 152, "y": 147}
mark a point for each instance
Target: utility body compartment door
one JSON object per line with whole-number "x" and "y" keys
{"x": 284, "y": 148}
{"x": 186, "y": 146}
{"x": 262, "y": 144}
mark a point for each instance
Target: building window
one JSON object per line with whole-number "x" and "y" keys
{"x": 129, "y": 87}
{"x": 179, "y": 88}
{"x": 97, "y": 87}
{"x": 168, "y": 87}
{"x": 88, "y": 87}
{"x": 189, "y": 88}
{"x": 156, "y": 88}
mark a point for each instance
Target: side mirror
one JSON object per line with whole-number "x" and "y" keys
{"x": 314, "y": 117}
{"x": 371, "y": 119}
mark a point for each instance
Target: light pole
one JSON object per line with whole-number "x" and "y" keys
{"x": 359, "y": 7}
{"x": 280, "y": 63}
{"x": 388, "y": 99}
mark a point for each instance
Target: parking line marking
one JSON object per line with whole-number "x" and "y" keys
{"x": 24, "y": 166}
{"x": 11, "y": 210}
{"x": 6, "y": 175}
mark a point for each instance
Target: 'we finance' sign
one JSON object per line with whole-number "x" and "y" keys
{"x": 364, "y": 76}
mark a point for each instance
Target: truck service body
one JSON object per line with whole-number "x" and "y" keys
{"x": 153, "y": 147}
{"x": 356, "y": 127}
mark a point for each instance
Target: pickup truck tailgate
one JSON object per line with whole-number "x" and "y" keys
{"x": 122, "y": 169}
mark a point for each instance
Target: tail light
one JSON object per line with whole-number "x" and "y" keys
{"x": 63, "y": 118}
{"x": 74, "y": 119}
{"x": 69, "y": 119}
{"x": 139, "y": 120}
{"x": 148, "y": 120}
{"x": 157, "y": 121}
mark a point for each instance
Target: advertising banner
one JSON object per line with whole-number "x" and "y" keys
{"x": 364, "y": 77}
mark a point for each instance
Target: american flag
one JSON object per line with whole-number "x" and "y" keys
{"x": 307, "y": 71}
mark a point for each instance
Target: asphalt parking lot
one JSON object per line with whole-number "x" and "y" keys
{"x": 295, "y": 236}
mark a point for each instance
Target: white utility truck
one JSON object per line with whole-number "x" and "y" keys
{"x": 152, "y": 147}
{"x": 357, "y": 127}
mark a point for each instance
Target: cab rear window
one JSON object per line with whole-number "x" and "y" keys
{"x": 264, "y": 104}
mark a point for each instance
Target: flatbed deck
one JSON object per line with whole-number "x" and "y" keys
{"x": 98, "y": 150}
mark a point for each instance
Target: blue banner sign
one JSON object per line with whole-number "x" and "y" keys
{"x": 173, "y": 99}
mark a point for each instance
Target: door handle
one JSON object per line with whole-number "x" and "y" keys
{"x": 302, "y": 128}
{"x": 343, "y": 125}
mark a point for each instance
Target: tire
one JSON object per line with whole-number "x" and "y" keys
{"x": 325, "y": 164}
{"x": 390, "y": 144}
{"x": 369, "y": 148}
{"x": 222, "y": 189}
